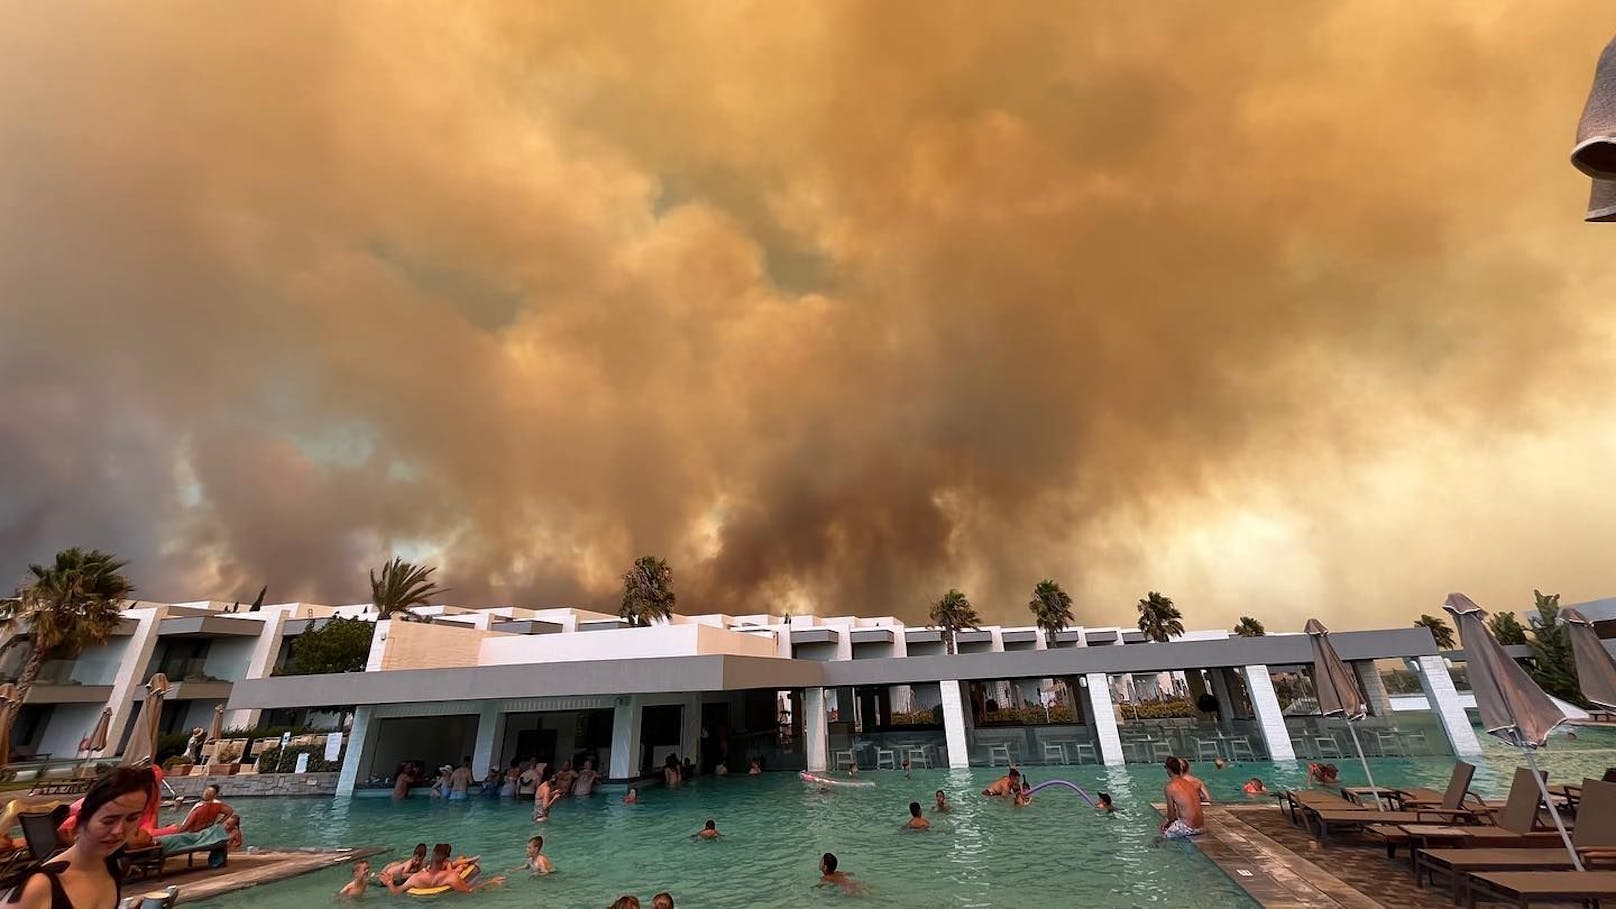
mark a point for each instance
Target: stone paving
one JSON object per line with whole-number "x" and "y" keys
{"x": 246, "y": 869}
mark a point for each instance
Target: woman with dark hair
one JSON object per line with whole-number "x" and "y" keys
{"x": 86, "y": 875}
{"x": 545, "y": 796}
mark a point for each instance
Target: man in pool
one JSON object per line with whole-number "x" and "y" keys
{"x": 441, "y": 872}
{"x": 1003, "y": 784}
{"x": 942, "y": 803}
{"x": 709, "y": 831}
{"x": 830, "y": 877}
{"x": 537, "y": 861}
{"x": 1105, "y": 805}
{"x": 1184, "y": 816}
{"x": 916, "y": 822}
{"x": 402, "y": 869}
{"x": 460, "y": 781}
{"x": 361, "y": 876}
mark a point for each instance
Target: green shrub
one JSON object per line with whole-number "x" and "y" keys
{"x": 270, "y": 760}
{"x": 170, "y": 745}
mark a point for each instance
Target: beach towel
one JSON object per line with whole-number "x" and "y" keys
{"x": 209, "y": 838}
{"x": 1595, "y": 152}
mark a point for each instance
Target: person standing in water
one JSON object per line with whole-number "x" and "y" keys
{"x": 916, "y": 821}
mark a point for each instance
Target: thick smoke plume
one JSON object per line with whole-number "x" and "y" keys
{"x": 1279, "y": 309}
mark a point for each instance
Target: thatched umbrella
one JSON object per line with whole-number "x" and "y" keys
{"x": 1596, "y": 671}
{"x": 8, "y": 703}
{"x": 143, "y": 741}
{"x": 1512, "y": 706}
{"x": 1339, "y": 691}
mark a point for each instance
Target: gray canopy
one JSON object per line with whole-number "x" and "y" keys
{"x": 1596, "y": 671}
{"x": 1512, "y": 707}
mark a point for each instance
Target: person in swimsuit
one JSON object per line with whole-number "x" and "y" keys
{"x": 1184, "y": 816}
{"x": 632, "y": 797}
{"x": 403, "y": 782}
{"x": 1254, "y": 786}
{"x": 1105, "y": 804}
{"x": 830, "y": 877}
{"x": 361, "y": 876}
{"x": 399, "y": 870}
{"x": 204, "y": 814}
{"x": 941, "y": 805}
{"x": 564, "y": 778}
{"x": 756, "y": 769}
{"x": 537, "y": 862}
{"x": 460, "y": 780}
{"x": 709, "y": 831}
{"x": 544, "y": 796}
{"x": 441, "y": 872}
{"x": 626, "y": 901}
{"x": 663, "y": 900}
{"x": 584, "y": 784}
{"x": 85, "y": 875}
{"x": 1020, "y": 796}
{"x": 1003, "y": 784}
{"x": 916, "y": 822}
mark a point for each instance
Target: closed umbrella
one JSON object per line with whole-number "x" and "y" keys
{"x": 8, "y": 703}
{"x": 97, "y": 740}
{"x": 143, "y": 740}
{"x": 1512, "y": 706}
{"x": 1596, "y": 671}
{"x": 216, "y": 731}
{"x": 1339, "y": 692}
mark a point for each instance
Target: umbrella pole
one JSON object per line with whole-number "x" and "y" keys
{"x": 1358, "y": 746}
{"x": 1543, "y": 788}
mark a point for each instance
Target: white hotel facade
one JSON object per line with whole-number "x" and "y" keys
{"x": 508, "y": 683}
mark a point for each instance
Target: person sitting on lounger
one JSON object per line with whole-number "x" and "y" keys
{"x": 203, "y": 815}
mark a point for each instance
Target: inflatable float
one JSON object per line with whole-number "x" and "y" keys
{"x": 1072, "y": 786}
{"x": 817, "y": 780}
{"x": 467, "y": 872}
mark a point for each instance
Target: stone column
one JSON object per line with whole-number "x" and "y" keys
{"x": 1374, "y": 688}
{"x": 1444, "y": 699}
{"x": 361, "y": 740}
{"x": 815, "y": 730}
{"x": 626, "y": 739}
{"x": 1265, "y": 703}
{"x": 954, "y": 710}
{"x": 690, "y": 729}
{"x": 1220, "y": 690}
{"x": 490, "y": 723}
{"x": 1104, "y": 717}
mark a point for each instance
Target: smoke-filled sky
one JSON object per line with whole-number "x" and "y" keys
{"x": 1283, "y": 309}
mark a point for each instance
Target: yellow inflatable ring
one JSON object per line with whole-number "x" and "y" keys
{"x": 466, "y": 874}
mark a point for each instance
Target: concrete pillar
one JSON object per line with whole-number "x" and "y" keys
{"x": 690, "y": 729}
{"x": 1220, "y": 690}
{"x": 378, "y": 645}
{"x": 133, "y": 671}
{"x": 626, "y": 739}
{"x": 1265, "y": 703}
{"x": 490, "y": 723}
{"x": 1380, "y": 704}
{"x": 955, "y": 707}
{"x": 361, "y": 742}
{"x": 815, "y": 730}
{"x": 262, "y": 660}
{"x": 1444, "y": 700}
{"x": 1104, "y": 717}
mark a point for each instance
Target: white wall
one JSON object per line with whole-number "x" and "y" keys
{"x": 621, "y": 644}
{"x": 68, "y": 724}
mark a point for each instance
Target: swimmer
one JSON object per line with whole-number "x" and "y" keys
{"x": 632, "y": 797}
{"x": 916, "y": 822}
{"x": 537, "y": 862}
{"x": 361, "y": 875}
{"x": 709, "y": 831}
{"x": 1219, "y": 763}
{"x": 1184, "y": 816}
{"x": 1254, "y": 786}
{"x": 756, "y": 769}
{"x": 626, "y": 901}
{"x": 441, "y": 872}
{"x": 1020, "y": 796}
{"x": 830, "y": 877}
{"x": 942, "y": 803}
{"x": 1105, "y": 804}
{"x": 663, "y": 900}
{"x": 1324, "y": 774}
{"x": 1003, "y": 784}
{"x": 402, "y": 869}
{"x": 906, "y": 768}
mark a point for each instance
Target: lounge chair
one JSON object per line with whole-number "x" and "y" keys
{"x": 1523, "y": 888}
{"x": 1414, "y": 799}
{"x": 1594, "y": 839}
{"x": 1322, "y": 818}
{"x": 213, "y": 841}
{"x": 1292, "y": 802}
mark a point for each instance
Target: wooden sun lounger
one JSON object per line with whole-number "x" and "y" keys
{"x": 1525, "y": 888}
{"x": 1594, "y": 841}
{"x": 1293, "y": 802}
{"x": 1323, "y": 821}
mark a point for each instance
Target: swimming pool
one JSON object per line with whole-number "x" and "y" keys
{"x": 1056, "y": 852}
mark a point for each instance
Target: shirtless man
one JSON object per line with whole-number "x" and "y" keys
{"x": 361, "y": 876}
{"x": 1200, "y": 784}
{"x": 942, "y": 802}
{"x": 460, "y": 781}
{"x": 403, "y": 782}
{"x": 564, "y": 778}
{"x": 537, "y": 861}
{"x": 916, "y": 822}
{"x": 402, "y": 869}
{"x": 1184, "y": 817}
{"x": 441, "y": 872}
{"x": 830, "y": 877}
{"x": 1003, "y": 784}
{"x": 708, "y": 831}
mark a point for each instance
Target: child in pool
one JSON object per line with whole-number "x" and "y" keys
{"x": 1105, "y": 805}
{"x": 537, "y": 862}
{"x": 361, "y": 876}
{"x": 708, "y": 832}
{"x": 1254, "y": 786}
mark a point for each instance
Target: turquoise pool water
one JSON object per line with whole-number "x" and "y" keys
{"x": 1056, "y": 852}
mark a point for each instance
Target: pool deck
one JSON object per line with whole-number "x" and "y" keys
{"x": 246, "y": 869}
{"x": 1281, "y": 867}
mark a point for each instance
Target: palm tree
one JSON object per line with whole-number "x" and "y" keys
{"x": 1249, "y": 627}
{"x": 953, "y": 613}
{"x": 72, "y": 603}
{"x": 647, "y": 592}
{"x": 1159, "y": 619}
{"x": 400, "y": 587}
{"x": 1439, "y": 630}
{"x": 1051, "y": 609}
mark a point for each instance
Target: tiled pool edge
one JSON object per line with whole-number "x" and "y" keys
{"x": 1272, "y": 875}
{"x": 294, "y": 864}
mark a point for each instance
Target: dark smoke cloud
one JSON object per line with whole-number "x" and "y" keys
{"x": 834, "y": 305}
